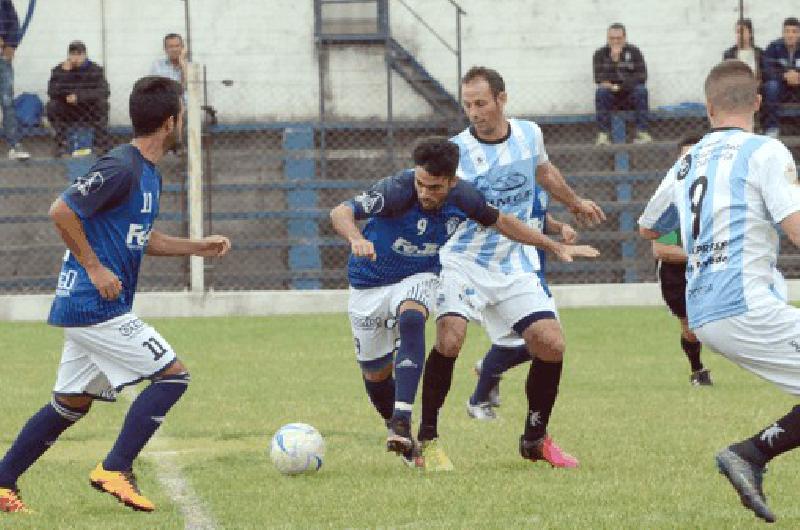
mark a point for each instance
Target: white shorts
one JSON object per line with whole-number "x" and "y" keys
{"x": 99, "y": 360}
{"x": 765, "y": 341}
{"x": 373, "y": 313}
{"x": 497, "y": 301}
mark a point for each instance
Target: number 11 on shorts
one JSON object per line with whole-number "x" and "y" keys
{"x": 156, "y": 348}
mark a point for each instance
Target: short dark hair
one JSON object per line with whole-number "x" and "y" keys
{"x": 618, "y": 25}
{"x": 76, "y": 46}
{"x": 172, "y": 36}
{"x": 153, "y": 100}
{"x": 746, "y": 22}
{"x": 491, "y": 76}
{"x": 688, "y": 140}
{"x": 437, "y": 155}
{"x": 791, "y": 21}
{"x": 731, "y": 86}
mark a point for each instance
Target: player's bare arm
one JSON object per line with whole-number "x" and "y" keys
{"x": 71, "y": 230}
{"x": 791, "y": 225}
{"x": 647, "y": 233}
{"x": 161, "y": 244}
{"x": 554, "y": 227}
{"x": 586, "y": 211}
{"x": 514, "y": 229}
{"x": 669, "y": 253}
{"x": 344, "y": 222}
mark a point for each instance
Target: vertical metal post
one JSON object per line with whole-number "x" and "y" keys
{"x": 188, "y": 30}
{"x": 194, "y": 87}
{"x": 388, "y": 58}
{"x": 458, "y": 50}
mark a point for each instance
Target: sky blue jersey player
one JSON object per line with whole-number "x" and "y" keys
{"x": 106, "y": 220}
{"x": 393, "y": 272}
{"x": 726, "y": 195}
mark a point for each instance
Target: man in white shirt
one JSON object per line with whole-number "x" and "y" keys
{"x": 173, "y": 64}
{"x": 726, "y": 195}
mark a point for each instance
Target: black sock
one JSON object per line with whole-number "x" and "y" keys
{"x": 541, "y": 389}
{"x": 692, "y": 351}
{"x": 381, "y": 393}
{"x": 780, "y": 437}
{"x": 435, "y": 385}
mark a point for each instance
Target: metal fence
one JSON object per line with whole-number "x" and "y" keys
{"x": 269, "y": 184}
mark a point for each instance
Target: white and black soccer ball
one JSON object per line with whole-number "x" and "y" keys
{"x": 297, "y": 448}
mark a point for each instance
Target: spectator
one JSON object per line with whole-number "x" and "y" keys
{"x": 78, "y": 97}
{"x": 620, "y": 74}
{"x": 173, "y": 65}
{"x": 745, "y": 49}
{"x": 9, "y": 39}
{"x": 781, "y": 67}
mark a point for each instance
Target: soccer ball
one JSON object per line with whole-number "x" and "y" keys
{"x": 297, "y": 448}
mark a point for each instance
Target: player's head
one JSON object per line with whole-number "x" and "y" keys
{"x": 744, "y": 33}
{"x": 687, "y": 142}
{"x": 435, "y": 161}
{"x": 173, "y": 46}
{"x": 791, "y": 32}
{"x": 156, "y": 109}
{"x": 76, "y": 53}
{"x": 483, "y": 94}
{"x": 616, "y": 35}
{"x": 731, "y": 90}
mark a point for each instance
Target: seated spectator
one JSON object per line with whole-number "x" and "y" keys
{"x": 745, "y": 49}
{"x": 781, "y": 68}
{"x": 173, "y": 64}
{"x": 620, "y": 74}
{"x": 78, "y": 97}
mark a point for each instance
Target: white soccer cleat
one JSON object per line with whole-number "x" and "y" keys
{"x": 481, "y": 411}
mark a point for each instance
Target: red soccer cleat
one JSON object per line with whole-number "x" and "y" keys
{"x": 547, "y": 450}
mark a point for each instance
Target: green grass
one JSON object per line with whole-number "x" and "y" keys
{"x": 645, "y": 438}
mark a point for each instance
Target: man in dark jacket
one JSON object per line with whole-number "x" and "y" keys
{"x": 781, "y": 67}
{"x": 78, "y": 97}
{"x": 620, "y": 74}
{"x": 9, "y": 39}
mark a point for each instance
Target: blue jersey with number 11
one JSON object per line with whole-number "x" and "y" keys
{"x": 117, "y": 204}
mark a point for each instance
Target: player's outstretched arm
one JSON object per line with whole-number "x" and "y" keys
{"x": 160, "y": 244}
{"x": 554, "y": 227}
{"x": 70, "y": 228}
{"x": 669, "y": 253}
{"x": 344, "y": 222}
{"x": 514, "y": 229}
{"x": 586, "y": 212}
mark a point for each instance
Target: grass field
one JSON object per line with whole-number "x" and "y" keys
{"x": 645, "y": 437}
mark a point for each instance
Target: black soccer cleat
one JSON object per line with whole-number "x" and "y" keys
{"x": 398, "y": 439}
{"x": 701, "y": 377}
{"x": 746, "y": 477}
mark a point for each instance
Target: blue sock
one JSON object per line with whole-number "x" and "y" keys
{"x": 36, "y": 437}
{"x": 381, "y": 393}
{"x": 143, "y": 419}
{"x": 409, "y": 361}
{"x": 497, "y": 361}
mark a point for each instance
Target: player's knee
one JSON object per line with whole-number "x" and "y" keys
{"x": 689, "y": 336}
{"x": 376, "y": 376}
{"x": 72, "y": 408}
{"x": 411, "y": 320}
{"x": 450, "y": 333}
{"x": 547, "y": 345}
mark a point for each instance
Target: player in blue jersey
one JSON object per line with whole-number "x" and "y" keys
{"x": 106, "y": 220}
{"x": 490, "y": 276}
{"x": 510, "y": 351}
{"x": 726, "y": 196}
{"x": 393, "y": 272}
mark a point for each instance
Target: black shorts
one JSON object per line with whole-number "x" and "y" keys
{"x": 672, "y": 277}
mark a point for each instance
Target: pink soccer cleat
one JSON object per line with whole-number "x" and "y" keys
{"x": 547, "y": 450}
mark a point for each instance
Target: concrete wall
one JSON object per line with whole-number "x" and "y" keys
{"x": 267, "y": 47}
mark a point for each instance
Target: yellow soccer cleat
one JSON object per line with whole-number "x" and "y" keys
{"x": 434, "y": 457}
{"x": 10, "y": 501}
{"x": 121, "y": 485}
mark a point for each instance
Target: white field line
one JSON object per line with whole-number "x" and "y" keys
{"x": 195, "y": 514}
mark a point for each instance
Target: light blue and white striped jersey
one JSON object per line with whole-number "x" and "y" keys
{"x": 726, "y": 195}
{"x": 505, "y": 171}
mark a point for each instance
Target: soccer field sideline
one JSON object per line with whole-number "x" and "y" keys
{"x": 35, "y": 308}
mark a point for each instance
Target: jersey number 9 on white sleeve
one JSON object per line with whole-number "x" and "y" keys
{"x": 696, "y": 199}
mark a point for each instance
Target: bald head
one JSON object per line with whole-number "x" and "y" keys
{"x": 731, "y": 88}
